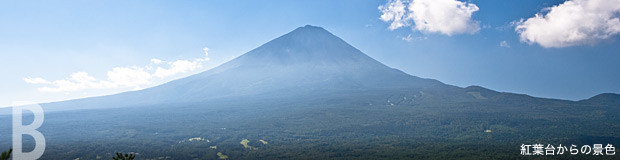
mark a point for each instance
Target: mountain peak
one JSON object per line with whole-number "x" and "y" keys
{"x": 311, "y": 26}
{"x": 307, "y": 44}
{"x": 310, "y": 29}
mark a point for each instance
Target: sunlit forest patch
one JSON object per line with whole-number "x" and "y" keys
{"x": 221, "y": 156}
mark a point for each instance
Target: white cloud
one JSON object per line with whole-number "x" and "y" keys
{"x": 206, "y": 53}
{"x": 156, "y": 61}
{"x": 120, "y": 77}
{"x": 179, "y": 66}
{"x": 77, "y": 81}
{"x": 504, "y": 44}
{"x": 410, "y": 38}
{"x": 574, "y": 22}
{"x": 36, "y": 80}
{"x": 128, "y": 77}
{"x": 395, "y": 11}
{"x": 434, "y": 16}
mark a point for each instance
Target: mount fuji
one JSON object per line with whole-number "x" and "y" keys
{"x": 307, "y": 60}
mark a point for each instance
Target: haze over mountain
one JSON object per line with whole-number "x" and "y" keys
{"x": 312, "y": 95}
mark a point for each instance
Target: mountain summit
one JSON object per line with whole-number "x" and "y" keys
{"x": 308, "y": 44}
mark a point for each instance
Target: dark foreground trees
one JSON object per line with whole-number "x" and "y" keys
{"x": 120, "y": 156}
{"x": 6, "y": 155}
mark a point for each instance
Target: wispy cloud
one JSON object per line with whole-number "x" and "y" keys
{"x": 447, "y": 17}
{"x": 574, "y": 22}
{"x": 410, "y": 38}
{"x": 121, "y": 77}
{"x": 178, "y": 66}
{"x": 504, "y": 44}
{"x": 36, "y": 80}
{"x": 156, "y": 61}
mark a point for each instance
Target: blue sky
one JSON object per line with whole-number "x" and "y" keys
{"x": 72, "y": 49}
